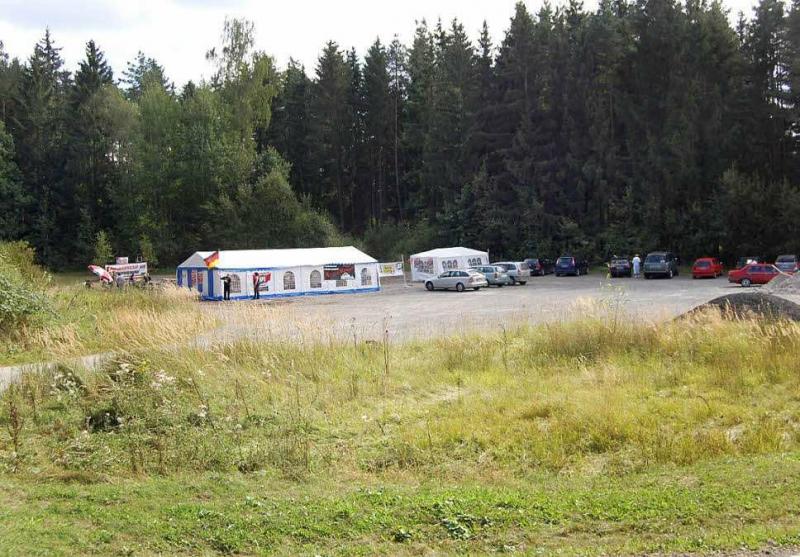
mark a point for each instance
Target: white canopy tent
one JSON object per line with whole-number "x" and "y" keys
{"x": 431, "y": 263}
{"x": 283, "y": 272}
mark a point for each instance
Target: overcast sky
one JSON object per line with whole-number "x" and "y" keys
{"x": 177, "y": 33}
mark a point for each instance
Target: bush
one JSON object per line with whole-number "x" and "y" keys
{"x": 19, "y": 304}
{"x": 22, "y": 257}
{"x": 21, "y": 285}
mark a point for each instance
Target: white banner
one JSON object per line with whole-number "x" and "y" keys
{"x": 394, "y": 269}
{"x": 128, "y": 269}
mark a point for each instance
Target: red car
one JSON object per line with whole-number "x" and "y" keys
{"x": 754, "y": 273}
{"x": 707, "y": 267}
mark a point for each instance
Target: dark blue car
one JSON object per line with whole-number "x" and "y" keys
{"x": 571, "y": 265}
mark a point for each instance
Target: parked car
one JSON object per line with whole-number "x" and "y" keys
{"x": 541, "y": 266}
{"x": 707, "y": 267}
{"x": 518, "y": 271}
{"x": 748, "y": 259}
{"x": 494, "y": 274}
{"x": 459, "y": 280}
{"x": 620, "y": 267}
{"x": 571, "y": 265}
{"x": 754, "y": 273}
{"x": 787, "y": 263}
{"x": 660, "y": 263}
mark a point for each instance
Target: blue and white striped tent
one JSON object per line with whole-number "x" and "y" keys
{"x": 283, "y": 272}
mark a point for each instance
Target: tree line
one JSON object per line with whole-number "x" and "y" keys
{"x": 639, "y": 125}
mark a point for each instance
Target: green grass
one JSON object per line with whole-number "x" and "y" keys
{"x": 723, "y": 505}
{"x": 586, "y": 438}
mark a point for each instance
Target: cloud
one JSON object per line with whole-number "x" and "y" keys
{"x": 85, "y": 15}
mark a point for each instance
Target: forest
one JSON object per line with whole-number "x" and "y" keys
{"x": 639, "y": 125}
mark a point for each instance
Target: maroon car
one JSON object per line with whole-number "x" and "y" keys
{"x": 754, "y": 273}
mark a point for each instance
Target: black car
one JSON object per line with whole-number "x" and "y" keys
{"x": 620, "y": 267}
{"x": 571, "y": 265}
{"x": 540, "y": 266}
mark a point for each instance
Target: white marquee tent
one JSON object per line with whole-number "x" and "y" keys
{"x": 284, "y": 272}
{"x": 432, "y": 263}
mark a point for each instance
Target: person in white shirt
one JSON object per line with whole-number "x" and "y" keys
{"x": 637, "y": 264}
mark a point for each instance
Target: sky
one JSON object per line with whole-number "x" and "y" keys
{"x": 177, "y": 33}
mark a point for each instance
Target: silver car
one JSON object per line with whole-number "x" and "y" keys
{"x": 460, "y": 280}
{"x": 494, "y": 275}
{"x": 518, "y": 271}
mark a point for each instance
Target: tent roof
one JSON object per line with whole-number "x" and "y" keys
{"x": 450, "y": 252}
{"x": 280, "y": 258}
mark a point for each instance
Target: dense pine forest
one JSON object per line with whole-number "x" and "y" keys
{"x": 640, "y": 125}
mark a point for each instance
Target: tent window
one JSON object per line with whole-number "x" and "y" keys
{"x": 288, "y": 280}
{"x": 236, "y": 284}
{"x": 341, "y": 283}
{"x": 366, "y": 277}
{"x": 316, "y": 279}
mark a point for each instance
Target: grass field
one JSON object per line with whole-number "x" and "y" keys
{"x": 83, "y": 321}
{"x": 583, "y": 438}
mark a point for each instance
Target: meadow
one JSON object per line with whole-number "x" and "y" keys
{"x": 588, "y": 437}
{"x": 78, "y": 321}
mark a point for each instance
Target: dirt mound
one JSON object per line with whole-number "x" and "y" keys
{"x": 753, "y": 304}
{"x": 784, "y": 284}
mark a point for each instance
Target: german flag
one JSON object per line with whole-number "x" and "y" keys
{"x": 212, "y": 260}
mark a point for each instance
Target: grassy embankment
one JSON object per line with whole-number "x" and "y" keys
{"x": 80, "y": 321}
{"x": 584, "y": 438}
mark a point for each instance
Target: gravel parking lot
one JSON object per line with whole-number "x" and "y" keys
{"x": 412, "y": 312}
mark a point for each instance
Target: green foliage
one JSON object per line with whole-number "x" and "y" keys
{"x": 147, "y": 251}
{"x": 389, "y": 241}
{"x": 103, "y": 252}
{"x": 612, "y": 130}
{"x": 22, "y": 301}
{"x": 21, "y": 257}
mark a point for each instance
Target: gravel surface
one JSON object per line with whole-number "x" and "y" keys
{"x": 412, "y": 312}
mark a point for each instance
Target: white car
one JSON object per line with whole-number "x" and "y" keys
{"x": 460, "y": 280}
{"x": 518, "y": 271}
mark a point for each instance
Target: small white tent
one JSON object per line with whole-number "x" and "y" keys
{"x": 283, "y": 272}
{"x": 432, "y": 263}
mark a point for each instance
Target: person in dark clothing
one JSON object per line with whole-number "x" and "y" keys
{"x": 226, "y": 287}
{"x": 256, "y": 285}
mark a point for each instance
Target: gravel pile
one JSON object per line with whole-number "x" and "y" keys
{"x": 784, "y": 284}
{"x": 754, "y": 304}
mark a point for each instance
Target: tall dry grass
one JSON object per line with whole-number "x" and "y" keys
{"x": 86, "y": 321}
{"x": 590, "y": 396}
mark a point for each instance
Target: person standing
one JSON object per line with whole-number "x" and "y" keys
{"x": 637, "y": 265}
{"x": 256, "y": 285}
{"x": 226, "y": 287}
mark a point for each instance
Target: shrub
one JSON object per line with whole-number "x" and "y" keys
{"x": 19, "y": 304}
{"x": 21, "y": 285}
{"x": 22, "y": 258}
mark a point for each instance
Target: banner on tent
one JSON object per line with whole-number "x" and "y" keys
{"x": 340, "y": 272}
{"x": 423, "y": 265}
{"x": 394, "y": 269}
{"x": 264, "y": 279}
